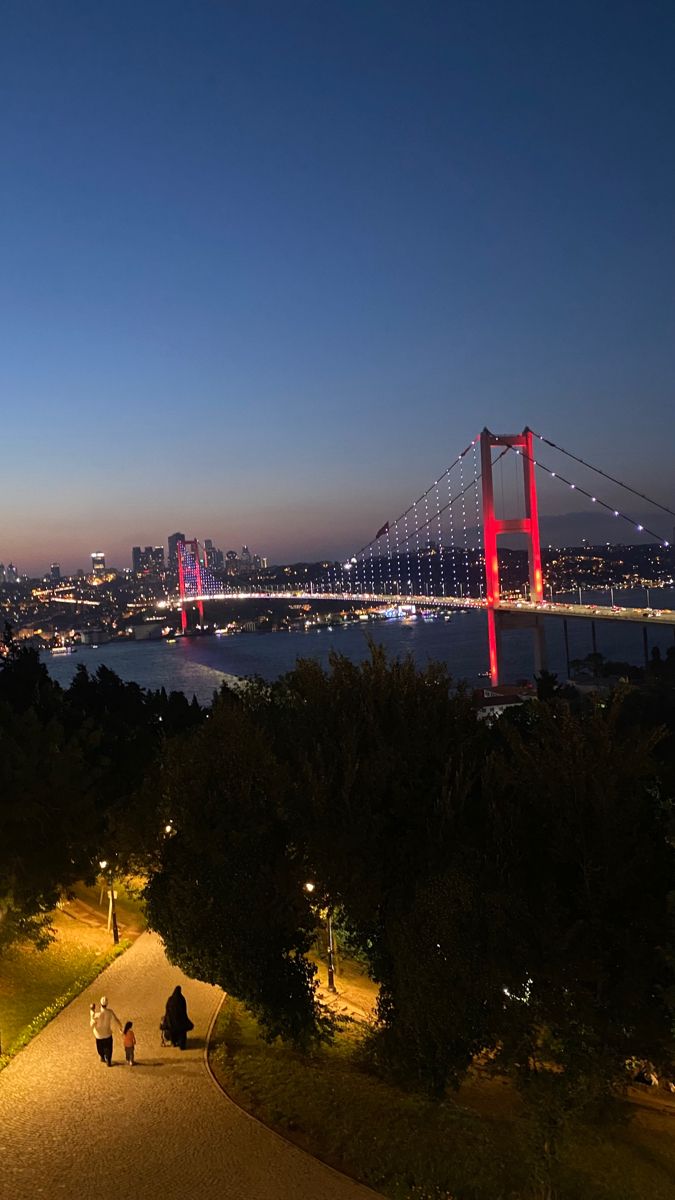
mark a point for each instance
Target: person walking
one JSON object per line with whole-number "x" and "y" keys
{"x": 176, "y": 1021}
{"x": 102, "y": 1022}
{"x": 129, "y": 1039}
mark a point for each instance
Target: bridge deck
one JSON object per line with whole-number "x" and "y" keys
{"x": 587, "y": 612}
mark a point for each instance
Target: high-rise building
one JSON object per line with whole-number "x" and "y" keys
{"x": 213, "y": 556}
{"x": 147, "y": 561}
{"x": 3, "y": 574}
{"x": 174, "y": 539}
{"x": 55, "y": 573}
{"x": 98, "y": 563}
{"x": 12, "y": 574}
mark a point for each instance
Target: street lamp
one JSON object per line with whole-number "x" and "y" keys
{"x": 330, "y": 955}
{"x": 112, "y": 911}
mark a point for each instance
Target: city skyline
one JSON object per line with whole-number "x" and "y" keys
{"x": 567, "y": 529}
{"x": 269, "y": 268}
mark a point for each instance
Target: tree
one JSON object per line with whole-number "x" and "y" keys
{"x": 124, "y": 730}
{"x": 47, "y": 818}
{"x": 384, "y": 760}
{"x": 583, "y": 831}
{"x": 225, "y": 890}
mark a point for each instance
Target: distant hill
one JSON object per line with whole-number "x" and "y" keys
{"x": 597, "y": 527}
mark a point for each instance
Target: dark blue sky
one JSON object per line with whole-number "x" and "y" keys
{"x": 266, "y": 267}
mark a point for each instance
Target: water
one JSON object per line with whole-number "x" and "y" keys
{"x": 198, "y": 666}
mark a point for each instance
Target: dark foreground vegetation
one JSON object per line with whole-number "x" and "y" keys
{"x": 508, "y": 886}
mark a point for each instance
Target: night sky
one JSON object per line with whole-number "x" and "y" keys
{"x": 266, "y": 268}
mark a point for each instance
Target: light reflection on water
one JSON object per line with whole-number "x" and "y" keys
{"x": 198, "y": 666}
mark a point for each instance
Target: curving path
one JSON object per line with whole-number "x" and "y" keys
{"x": 70, "y": 1127}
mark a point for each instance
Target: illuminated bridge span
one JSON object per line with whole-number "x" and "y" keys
{"x": 442, "y": 551}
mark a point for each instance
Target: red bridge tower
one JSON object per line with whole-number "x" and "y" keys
{"x": 492, "y": 527}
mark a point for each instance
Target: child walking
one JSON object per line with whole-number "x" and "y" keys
{"x": 129, "y": 1039}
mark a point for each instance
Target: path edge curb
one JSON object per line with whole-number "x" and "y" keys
{"x": 268, "y": 1128}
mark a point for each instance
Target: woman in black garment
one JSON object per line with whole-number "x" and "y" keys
{"x": 177, "y": 1024}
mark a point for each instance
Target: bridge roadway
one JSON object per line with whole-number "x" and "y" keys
{"x": 588, "y": 612}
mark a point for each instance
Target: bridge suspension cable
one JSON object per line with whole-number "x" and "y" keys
{"x": 605, "y": 474}
{"x": 576, "y": 487}
{"x": 392, "y": 562}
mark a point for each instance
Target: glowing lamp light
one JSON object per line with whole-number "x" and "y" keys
{"x": 103, "y": 862}
{"x": 309, "y": 886}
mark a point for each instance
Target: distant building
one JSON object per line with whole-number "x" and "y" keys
{"x": 147, "y": 561}
{"x": 148, "y": 631}
{"x": 174, "y": 539}
{"x": 492, "y": 702}
{"x": 98, "y": 563}
{"x": 55, "y": 573}
{"x": 94, "y": 637}
{"x": 11, "y": 574}
{"x": 213, "y": 556}
{"x": 3, "y": 574}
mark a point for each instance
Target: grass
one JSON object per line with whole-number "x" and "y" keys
{"x": 36, "y": 984}
{"x": 477, "y": 1146}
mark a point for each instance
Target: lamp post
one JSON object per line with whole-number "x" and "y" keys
{"x": 330, "y": 954}
{"x": 112, "y": 911}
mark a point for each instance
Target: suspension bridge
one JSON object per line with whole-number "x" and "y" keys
{"x": 443, "y": 550}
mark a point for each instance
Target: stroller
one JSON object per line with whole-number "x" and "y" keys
{"x": 164, "y": 1039}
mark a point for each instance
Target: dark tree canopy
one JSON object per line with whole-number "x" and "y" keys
{"x": 226, "y": 894}
{"x": 509, "y": 886}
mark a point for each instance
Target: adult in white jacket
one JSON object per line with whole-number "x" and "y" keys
{"x": 102, "y": 1022}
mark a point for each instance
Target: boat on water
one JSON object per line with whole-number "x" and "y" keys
{"x": 57, "y": 651}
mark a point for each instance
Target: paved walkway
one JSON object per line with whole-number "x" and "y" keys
{"x": 72, "y": 1128}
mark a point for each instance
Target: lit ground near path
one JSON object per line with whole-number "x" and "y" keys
{"x": 71, "y": 1127}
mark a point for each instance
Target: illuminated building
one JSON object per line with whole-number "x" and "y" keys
{"x": 98, "y": 563}
{"x": 55, "y": 573}
{"x": 173, "y": 540}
